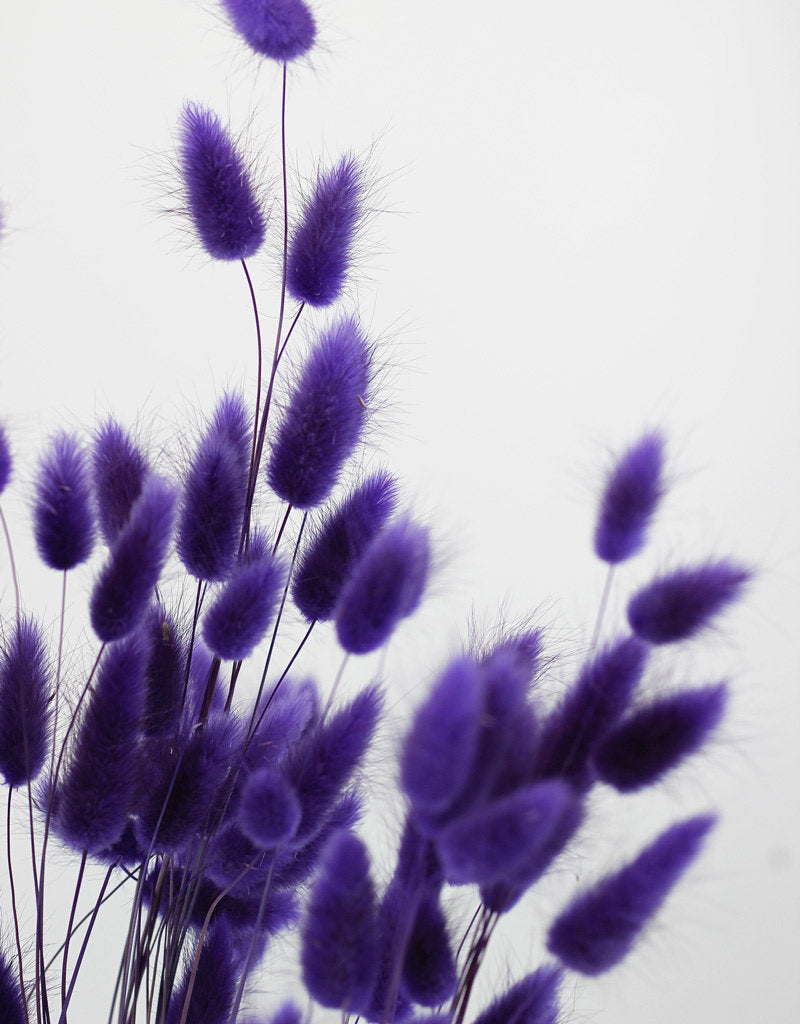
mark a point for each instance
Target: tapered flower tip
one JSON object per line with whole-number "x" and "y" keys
{"x": 658, "y": 737}
{"x": 534, "y": 1000}
{"x": 492, "y": 842}
{"x": 25, "y": 695}
{"x": 429, "y": 970}
{"x": 439, "y": 751}
{"x": 241, "y": 613}
{"x": 119, "y": 470}
{"x": 676, "y": 606}
{"x": 5, "y": 459}
{"x": 63, "y": 510}
{"x": 125, "y": 585}
{"x": 282, "y": 30}
{"x": 12, "y": 1006}
{"x": 212, "y": 994}
{"x": 339, "y": 938}
{"x": 599, "y": 928}
{"x": 165, "y": 675}
{"x": 344, "y": 534}
{"x": 321, "y": 247}
{"x": 523, "y": 648}
{"x": 386, "y": 586}
{"x": 324, "y": 419}
{"x": 269, "y": 811}
{"x": 632, "y": 493}
{"x": 222, "y": 201}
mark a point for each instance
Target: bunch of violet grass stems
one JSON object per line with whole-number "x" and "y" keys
{"x": 219, "y": 787}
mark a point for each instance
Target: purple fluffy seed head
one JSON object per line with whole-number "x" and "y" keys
{"x": 325, "y": 417}
{"x": 439, "y": 751}
{"x": 591, "y": 708}
{"x": 269, "y": 811}
{"x": 12, "y": 1006}
{"x": 25, "y": 695}
{"x": 282, "y": 30}
{"x": 328, "y": 559}
{"x": 214, "y": 989}
{"x": 658, "y": 737}
{"x": 339, "y": 938}
{"x": 494, "y": 841}
{"x": 320, "y": 249}
{"x": 600, "y": 927}
{"x": 242, "y": 611}
{"x": 631, "y": 496}
{"x": 97, "y": 792}
{"x": 534, "y": 1000}
{"x": 5, "y": 459}
{"x": 165, "y": 672}
{"x": 386, "y": 586}
{"x": 674, "y": 607}
{"x": 119, "y": 471}
{"x": 429, "y": 970}
{"x": 222, "y": 200}
{"x": 63, "y": 510}
{"x": 210, "y": 518}
{"x": 125, "y": 585}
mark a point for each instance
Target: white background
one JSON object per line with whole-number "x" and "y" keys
{"x": 586, "y": 224}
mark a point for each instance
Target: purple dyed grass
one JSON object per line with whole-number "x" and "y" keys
{"x": 429, "y": 975}
{"x": 12, "y": 1007}
{"x": 25, "y": 695}
{"x": 222, "y": 200}
{"x": 534, "y": 1000}
{"x": 119, "y": 470}
{"x": 600, "y": 927}
{"x": 63, "y": 510}
{"x": 676, "y": 606}
{"x": 324, "y": 419}
{"x": 5, "y": 459}
{"x": 243, "y": 610}
{"x": 269, "y": 811}
{"x": 630, "y": 498}
{"x": 320, "y": 250}
{"x": 282, "y": 30}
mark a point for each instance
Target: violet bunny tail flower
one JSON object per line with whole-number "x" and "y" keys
{"x": 5, "y": 459}
{"x": 342, "y": 538}
{"x": 210, "y": 518}
{"x": 321, "y": 246}
{"x": 63, "y": 513}
{"x": 600, "y": 927}
{"x": 25, "y": 694}
{"x": 12, "y": 1005}
{"x": 658, "y": 737}
{"x": 282, "y": 30}
{"x": 534, "y": 1000}
{"x": 222, "y": 200}
{"x": 493, "y": 841}
{"x": 269, "y": 811}
{"x": 243, "y": 610}
{"x": 165, "y": 673}
{"x": 631, "y": 496}
{"x": 439, "y": 751}
{"x": 339, "y": 938}
{"x": 325, "y": 417}
{"x": 214, "y": 989}
{"x": 125, "y": 585}
{"x": 97, "y": 792}
{"x": 119, "y": 471}
{"x": 676, "y": 606}
{"x": 429, "y": 971}
{"x": 386, "y": 586}
{"x": 590, "y": 709}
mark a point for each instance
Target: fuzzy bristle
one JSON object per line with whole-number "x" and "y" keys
{"x": 25, "y": 695}
{"x": 119, "y": 470}
{"x": 282, "y": 30}
{"x": 63, "y": 510}
{"x": 631, "y": 496}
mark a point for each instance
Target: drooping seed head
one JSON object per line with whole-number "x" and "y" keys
{"x": 63, "y": 510}
{"x": 325, "y": 417}
{"x": 282, "y": 30}
{"x": 25, "y": 694}
{"x": 678, "y": 605}
{"x": 600, "y": 927}
{"x": 222, "y": 201}
{"x": 320, "y": 249}
{"x": 385, "y": 587}
{"x": 631, "y": 496}
{"x": 119, "y": 470}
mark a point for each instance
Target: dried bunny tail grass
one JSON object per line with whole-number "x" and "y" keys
{"x": 63, "y": 508}
{"x": 282, "y": 30}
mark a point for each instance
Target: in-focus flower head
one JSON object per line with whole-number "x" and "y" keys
{"x": 282, "y": 30}
{"x": 241, "y": 613}
{"x": 63, "y": 511}
{"x": 222, "y": 200}
{"x": 119, "y": 470}
{"x": 630, "y": 498}
{"x": 321, "y": 246}
{"x": 25, "y": 695}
